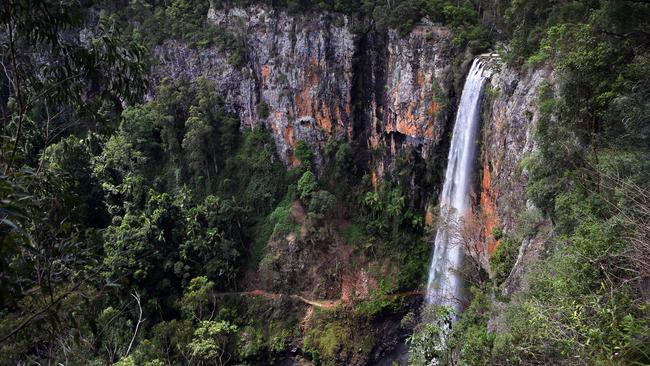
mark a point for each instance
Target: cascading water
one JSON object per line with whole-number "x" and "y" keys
{"x": 445, "y": 285}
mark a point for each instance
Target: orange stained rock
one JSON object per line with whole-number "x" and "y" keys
{"x": 429, "y": 130}
{"x": 294, "y": 161}
{"x": 339, "y": 117}
{"x": 306, "y": 106}
{"x": 420, "y": 79}
{"x": 289, "y": 140}
{"x": 288, "y": 135}
{"x": 488, "y": 206}
{"x": 265, "y": 71}
{"x": 302, "y": 101}
{"x": 373, "y": 179}
{"x": 428, "y": 218}
{"x": 323, "y": 118}
{"x": 433, "y": 109}
{"x": 407, "y": 123}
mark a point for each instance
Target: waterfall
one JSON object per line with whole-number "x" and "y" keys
{"x": 445, "y": 286}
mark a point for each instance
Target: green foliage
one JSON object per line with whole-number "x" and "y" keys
{"x": 198, "y": 299}
{"x": 213, "y": 342}
{"x": 304, "y": 154}
{"x": 497, "y": 233}
{"x": 334, "y": 336}
{"x": 307, "y": 185}
{"x": 569, "y": 313}
{"x": 138, "y": 127}
{"x": 380, "y": 300}
{"x": 211, "y": 245}
{"x": 141, "y": 247}
{"x": 50, "y": 245}
{"x": 263, "y": 110}
{"x": 589, "y": 163}
{"x": 197, "y": 144}
{"x": 344, "y": 161}
{"x": 426, "y": 341}
{"x": 102, "y": 197}
{"x": 322, "y": 204}
{"x": 71, "y": 158}
{"x": 354, "y": 234}
{"x": 469, "y": 339}
{"x": 169, "y": 340}
{"x": 180, "y": 19}
{"x": 503, "y": 259}
{"x": 117, "y": 331}
{"x": 279, "y": 342}
{"x": 327, "y": 343}
{"x": 255, "y": 174}
{"x": 281, "y": 220}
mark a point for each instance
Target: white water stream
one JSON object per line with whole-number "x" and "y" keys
{"x": 445, "y": 285}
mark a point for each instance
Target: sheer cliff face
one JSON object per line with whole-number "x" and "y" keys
{"x": 511, "y": 113}
{"x": 410, "y": 103}
{"x": 309, "y": 77}
{"x": 508, "y": 137}
{"x": 295, "y": 77}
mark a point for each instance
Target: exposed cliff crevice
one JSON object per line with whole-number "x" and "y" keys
{"x": 369, "y": 79}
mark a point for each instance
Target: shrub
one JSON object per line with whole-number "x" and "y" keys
{"x": 503, "y": 259}
{"x": 263, "y": 110}
{"x": 307, "y": 185}
{"x": 497, "y": 233}
{"x": 303, "y": 153}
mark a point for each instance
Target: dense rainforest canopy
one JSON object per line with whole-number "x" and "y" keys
{"x": 136, "y": 216}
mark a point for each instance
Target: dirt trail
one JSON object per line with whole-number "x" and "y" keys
{"x": 324, "y": 304}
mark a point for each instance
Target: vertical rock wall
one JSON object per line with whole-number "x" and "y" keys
{"x": 511, "y": 113}
{"x": 295, "y": 78}
{"x": 309, "y": 77}
{"x": 413, "y": 104}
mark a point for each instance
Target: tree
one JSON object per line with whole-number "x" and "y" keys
{"x": 213, "y": 238}
{"x": 197, "y": 145}
{"x": 71, "y": 159}
{"x": 322, "y": 203}
{"x": 395, "y": 208}
{"x": 307, "y": 185}
{"x": 213, "y": 343}
{"x": 139, "y": 127}
{"x": 426, "y": 344}
{"x": 304, "y": 154}
{"x": 141, "y": 248}
{"x": 467, "y": 232}
{"x": 344, "y": 161}
{"x": 198, "y": 302}
{"x": 48, "y": 69}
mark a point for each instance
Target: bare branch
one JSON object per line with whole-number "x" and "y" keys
{"x": 136, "y": 296}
